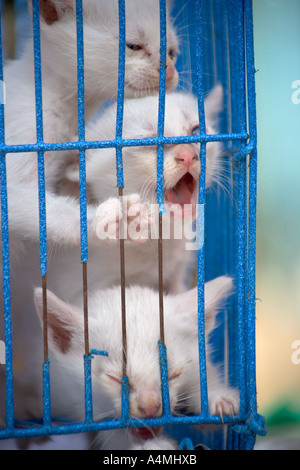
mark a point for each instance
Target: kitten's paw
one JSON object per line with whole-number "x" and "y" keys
{"x": 139, "y": 219}
{"x": 128, "y": 218}
{"x": 108, "y": 215}
{"x": 224, "y": 403}
{"x": 160, "y": 443}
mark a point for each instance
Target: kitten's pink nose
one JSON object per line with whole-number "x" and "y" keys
{"x": 170, "y": 71}
{"x": 149, "y": 411}
{"x": 149, "y": 404}
{"x": 186, "y": 156}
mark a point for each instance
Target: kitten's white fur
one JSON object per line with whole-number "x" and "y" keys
{"x": 64, "y": 268}
{"x": 59, "y": 79}
{"x": 59, "y": 75}
{"x": 66, "y": 339}
{"x": 140, "y": 173}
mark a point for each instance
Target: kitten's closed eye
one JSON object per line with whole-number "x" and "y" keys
{"x": 118, "y": 380}
{"x": 115, "y": 378}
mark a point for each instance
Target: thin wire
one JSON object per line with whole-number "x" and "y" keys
{"x": 41, "y": 170}
{"x": 123, "y": 295}
{"x": 201, "y": 201}
{"x": 160, "y": 157}
{"x": 119, "y": 157}
{"x": 9, "y": 391}
{"x": 45, "y": 317}
{"x": 82, "y": 170}
{"x": 85, "y": 309}
{"x": 161, "y": 283}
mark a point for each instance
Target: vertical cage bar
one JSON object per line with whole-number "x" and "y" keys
{"x": 220, "y": 203}
{"x": 9, "y": 400}
{"x": 42, "y": 206}
{"x": 160, "y": 200}
{"x": 209, "y": 49}
{"x": 81, "y": 130}
{"x": 234, "y": 126}
{"x": 232, "y": 114}
{"x": 164, "y": 379}
{"x": 242, "y": 216}
{"x": 161, "y": 280}
{"x": 201, "y": 202}
{"x": 120, "y": 174}
{"x": 82, "y": 165}
{"x": 161, "y": 106}
{"x": 40, "y": 137}
{"x": 160, "y": 158}
{"x": 222, "y": 207}
{"x": 251, "y": 332}
{"x": 83, "y": 210}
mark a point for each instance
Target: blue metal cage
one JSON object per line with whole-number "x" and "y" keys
{"x": 220, "y": 49}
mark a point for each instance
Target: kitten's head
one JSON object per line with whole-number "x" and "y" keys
{"x": 181, "y": 162}
{"x": 101, "y": 45}
{"x": 66, "y": 339}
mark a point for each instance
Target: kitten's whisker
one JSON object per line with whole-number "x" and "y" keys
{"x": 104, "y": 415}
{"x": 173, "y": 20}
{"x": 145, "y": 426}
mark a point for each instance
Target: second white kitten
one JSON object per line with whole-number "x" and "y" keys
{"x": 66, "y": 336}
{"x": 181, "y": 173}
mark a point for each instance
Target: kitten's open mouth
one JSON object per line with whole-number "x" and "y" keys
{"x": 182, "y": 197}
{"x": 146, "y": 433}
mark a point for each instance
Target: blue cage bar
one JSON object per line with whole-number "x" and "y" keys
{"x": 220, "y": 49}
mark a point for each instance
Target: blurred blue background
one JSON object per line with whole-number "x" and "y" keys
{"x": 277, "y": 59}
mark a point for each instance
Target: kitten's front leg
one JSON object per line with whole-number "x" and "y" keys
{"x": 127, "y": 217}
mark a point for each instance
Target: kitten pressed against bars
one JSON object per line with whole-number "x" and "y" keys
{"x": 66, "y": 340}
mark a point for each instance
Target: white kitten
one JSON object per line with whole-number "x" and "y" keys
{"x": 181, "y": 176}
{"x": 59, "y": 80}
{"x": 66, "y": 339}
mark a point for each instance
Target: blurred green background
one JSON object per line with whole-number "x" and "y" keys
{"x": 277, "y": 59}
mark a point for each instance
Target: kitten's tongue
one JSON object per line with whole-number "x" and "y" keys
{"x": 182, "y": 193}
{"x": 145, "y": 433}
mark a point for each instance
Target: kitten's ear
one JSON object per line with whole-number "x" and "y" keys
{"x": 52, "y": 10}
{"x": 214, "y": 105}
{"x": 216, "y": 294}
{"x": 65, "y": 324}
